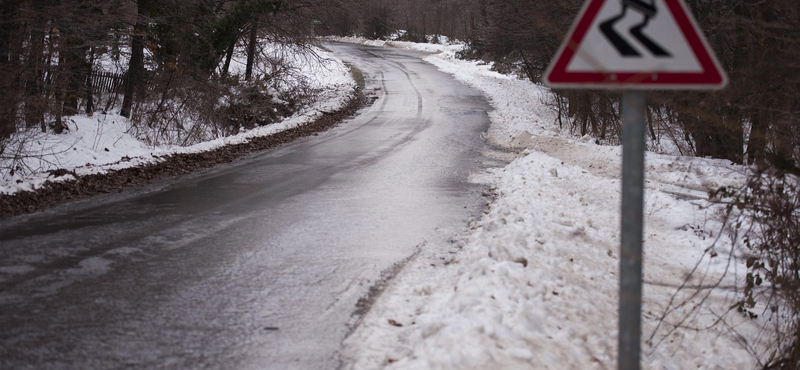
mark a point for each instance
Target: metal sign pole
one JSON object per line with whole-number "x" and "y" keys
{"x": 582, "y": 62}
{"x": 630, "y": 279}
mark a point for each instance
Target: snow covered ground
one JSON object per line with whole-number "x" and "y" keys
{"x": 533, "y": 284}
{"x": 105, "y": 142}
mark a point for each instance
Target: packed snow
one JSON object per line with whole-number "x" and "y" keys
{"x": 533, "y": 283}
{"x": 106, "y": 141}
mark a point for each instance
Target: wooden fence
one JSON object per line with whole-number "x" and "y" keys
{"x": 107, "y": 81}
{"x": 100, "y": 81}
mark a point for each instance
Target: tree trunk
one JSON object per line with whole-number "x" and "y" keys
{"x": 72, "y": 61}
{"x": 228, "y": 57}
{"x": 88, "y": 83}
{"x": 650, "y": 128}
{"x": 9, "y": 76}
{"x": 34, "y": 80}
{"x": 134, "y": 79}
{"x": 251, "y": 49}
{"x": 758, "y": 138}
{"x": 731, "y": 138}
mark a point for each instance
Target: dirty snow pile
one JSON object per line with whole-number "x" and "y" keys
{"x": 104, "y": 142}
{"x": 533, "y": 284}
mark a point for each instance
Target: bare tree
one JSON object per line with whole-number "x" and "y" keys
{"x": 134, "y": 80}
{"x": 10, "y": 53}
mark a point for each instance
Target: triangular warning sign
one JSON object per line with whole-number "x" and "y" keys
{"x": 653, "y": 44}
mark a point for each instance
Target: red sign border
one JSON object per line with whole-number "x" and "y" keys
{"x": 712, "y": 77}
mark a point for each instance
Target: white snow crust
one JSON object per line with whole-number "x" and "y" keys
{"x": 533, "y": 283}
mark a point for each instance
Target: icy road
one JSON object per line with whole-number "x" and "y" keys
{"x": 256, "y": 265}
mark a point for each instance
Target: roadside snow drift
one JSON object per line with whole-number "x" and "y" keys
{"x": 533, "y": 284}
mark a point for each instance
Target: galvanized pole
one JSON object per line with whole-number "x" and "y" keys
{"x": 630, "y": 257}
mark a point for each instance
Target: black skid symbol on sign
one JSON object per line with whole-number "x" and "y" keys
{"x": 649, "y": 11}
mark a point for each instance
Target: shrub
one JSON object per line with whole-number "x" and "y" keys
{"x": 764, "y": 217}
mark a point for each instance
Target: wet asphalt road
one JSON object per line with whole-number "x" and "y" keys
{"x": 255, "y": 265}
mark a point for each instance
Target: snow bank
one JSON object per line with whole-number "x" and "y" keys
{"x": 533, "y": 284}
{"x": 104, "y": 142}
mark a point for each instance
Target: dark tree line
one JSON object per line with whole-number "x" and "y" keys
{"x": 418, "y": 18}
{"x": 45, "y": 48}
{"x": 752, "y": 121}
{"x": 757, "y": 43}
{"x": 176, "y": 56}
{"x": 168, "y": 48}
{"x": 48, "y": 50}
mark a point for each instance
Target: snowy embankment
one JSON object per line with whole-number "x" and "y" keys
{"x": 103, "y": 142}
{"x": 533, "y": 284}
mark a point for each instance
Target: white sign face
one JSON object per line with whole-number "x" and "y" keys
{"x": 661, "y": 29}
{"x": 644, "y": 43}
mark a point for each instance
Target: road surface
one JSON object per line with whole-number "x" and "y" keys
{"x": 255, "y": 265}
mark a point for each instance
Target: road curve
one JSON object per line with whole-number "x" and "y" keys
{"x": 255, "y": 265}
